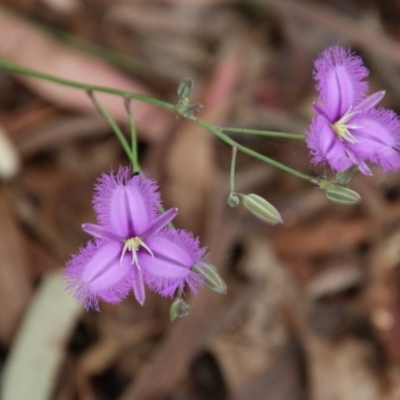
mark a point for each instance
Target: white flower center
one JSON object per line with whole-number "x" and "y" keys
{"x": 133, "y": 245}
{"x": 342, "y": 128}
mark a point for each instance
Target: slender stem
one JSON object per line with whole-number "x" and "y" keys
{"x": 248, "y": 151}
{"x": 282, "y": 135}
{"x": 9, "y": 66}
{"x": 132, "y": 128}
{"x": 233, "y": 163}
{"x": 106, "y": 115}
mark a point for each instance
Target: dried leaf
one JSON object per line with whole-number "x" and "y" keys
{"x": 39, "y": 348}
{"x": 28, "y": 46}
{"x": 15, "y": 280}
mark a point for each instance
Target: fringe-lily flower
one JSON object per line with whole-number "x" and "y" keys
{"x": 348, "y": 129}
{"x": 133, "y": 245}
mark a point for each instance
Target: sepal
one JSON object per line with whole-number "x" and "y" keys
{"x": 343, "y": 177}
{"x": 211, "y": 277}
{"x": 179, "y": 309}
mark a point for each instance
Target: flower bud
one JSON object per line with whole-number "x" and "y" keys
{"x": 342, "y": 195}
{"x": 185, "y": 88}
{"x": 262, "y": 209}
{"x": 211, "y": 277}
{"x": 233, "y": 200}
{"x": 179, "y": 309}
{"x": 343, "y": 177}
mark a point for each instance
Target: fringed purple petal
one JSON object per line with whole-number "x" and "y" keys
{"x": 175, "y": 252}
{"x": 376, "y": 132}
{"x": 378, "y": 138}
{"x": 340, "y": 75}
{"x": 96, "y": 273}
{"x": 325, "y": 146}
{"x": 128, "y": 212}
{"x": 126, "y": 205}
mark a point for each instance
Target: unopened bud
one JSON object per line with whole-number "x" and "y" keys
{"x": 211, "y": 277}
{"x": 233, "y": 200}
{"x": 343, "y": 177}
{"x": 342, "y": 195}
{"x": 262, "y": 209}
{"x": 185, "y": 88}
{"x": 179, "y": 309}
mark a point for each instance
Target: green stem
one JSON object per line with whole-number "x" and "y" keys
{"x": 132, "y": 128}
{"x": 248, "y": 151}
{"x": 113, "y": 124}
{"x": 9, "y": 66}
{"x": 282, "y": 135}
{"x": 233, "y": 163}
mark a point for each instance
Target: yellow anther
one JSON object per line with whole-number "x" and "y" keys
{"x": 341, "y": 127}
{"x": 133, "y": 244}
{"x": 342, "y": 132}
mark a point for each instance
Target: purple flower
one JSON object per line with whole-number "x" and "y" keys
{"x": 133, "y": 245}
{"x": 348, "y": 129}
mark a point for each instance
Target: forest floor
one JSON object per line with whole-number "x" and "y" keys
{"x": 313, "y": 305}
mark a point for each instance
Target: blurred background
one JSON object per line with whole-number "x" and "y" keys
{"x": 313, "y": 306}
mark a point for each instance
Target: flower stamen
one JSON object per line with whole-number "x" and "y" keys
{"x": 342, "y": 128}
{"x": 342, "y": 132}
{"x": 133, "y": 244}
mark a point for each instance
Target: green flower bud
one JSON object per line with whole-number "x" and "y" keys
{"x": 233, "y": 200}
{"x": 185, "y": 88}
{"x": 211, "y": 277}
{"x": 262, "y": 209}
{"x": 342, "y": 195}
{"x": 343, "y": 177}
{"x": 179, "y": 309}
